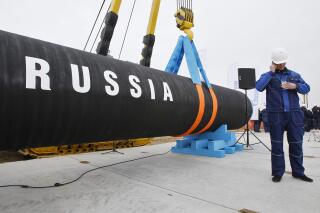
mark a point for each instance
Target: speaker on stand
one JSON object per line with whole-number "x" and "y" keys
{"x": 247, "y": 81}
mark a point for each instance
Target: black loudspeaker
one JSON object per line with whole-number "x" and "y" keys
{"x": 247, "y": 78}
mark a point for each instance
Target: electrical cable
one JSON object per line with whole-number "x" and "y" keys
{"x": 104, "y": 19}
{"x": 97, "y": 34}
{"x": 125, "y": 35}
{"x": 94, "y": 24}
{"x": 79, "y": 177}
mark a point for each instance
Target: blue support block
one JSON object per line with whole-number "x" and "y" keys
{"x": 230, "y": 150}
{"x": 192, "y": 137}
{"x": 217, "y": 144}
{"x": 239, "y": 147}
{"x": 199, "y": 152}
{"x": 211, "y": 144}
{"x": 219, "y": 134}
{"x": 199, "y": 144}
{"x": 183, "y": 143}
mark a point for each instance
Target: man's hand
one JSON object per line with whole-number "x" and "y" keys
{"x": 273, "y": 67}
{"x": 288, "y": 85}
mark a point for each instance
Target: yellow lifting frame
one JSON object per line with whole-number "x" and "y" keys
{"x": 115, "y": 6}
{"x": 149, "y": 38}
{"x": 153, "y": 17}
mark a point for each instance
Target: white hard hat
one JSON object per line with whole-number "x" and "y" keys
{"x": 279, "y": 56}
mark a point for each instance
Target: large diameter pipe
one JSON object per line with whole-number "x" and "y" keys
{"x": 54, "y": 95}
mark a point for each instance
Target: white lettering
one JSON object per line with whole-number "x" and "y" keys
{"x": 153, "y": 97}
{"x": 32, "y": 72}
{"x": 136, "y": 92}
{"x": 109, "y": 76}
{"x": 76, "y": 81}
{"x": 167, "y": 92}
{"x": 39, "y": 68}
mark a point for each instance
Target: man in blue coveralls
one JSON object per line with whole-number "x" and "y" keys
{"x": 284, "y": 114}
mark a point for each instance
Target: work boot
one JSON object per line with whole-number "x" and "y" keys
{"x": 304, "y": 178}
{"x": 276, "y": 179}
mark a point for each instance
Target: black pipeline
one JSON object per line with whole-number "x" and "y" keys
{"x": 54, "y": 95}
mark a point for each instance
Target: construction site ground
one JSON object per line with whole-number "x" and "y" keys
{"x": 162, "y": 183}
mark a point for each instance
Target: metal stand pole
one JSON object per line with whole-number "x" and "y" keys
{"x": 247, "y": 131}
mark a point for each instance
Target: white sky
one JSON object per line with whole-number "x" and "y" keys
{"x": 228, "y": 33}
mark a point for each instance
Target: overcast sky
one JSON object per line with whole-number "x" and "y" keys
{"x": 228, "y": 33}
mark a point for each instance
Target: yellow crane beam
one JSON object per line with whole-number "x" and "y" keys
{"x": 115, "y": 6}
{"x": 153, "y": 17}
{"x": 149, "y": 38}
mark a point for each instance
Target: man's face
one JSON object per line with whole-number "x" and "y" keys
{"x": 280, "y": 66}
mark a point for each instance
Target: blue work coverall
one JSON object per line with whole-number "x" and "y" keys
{"x": 284, "y": 114}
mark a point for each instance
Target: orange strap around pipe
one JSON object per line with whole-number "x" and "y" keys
{"x": 200, "y": 111}
{"x": 214, "y": 111}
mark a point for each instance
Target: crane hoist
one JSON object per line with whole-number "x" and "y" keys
{"x": 184, "y": 17}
